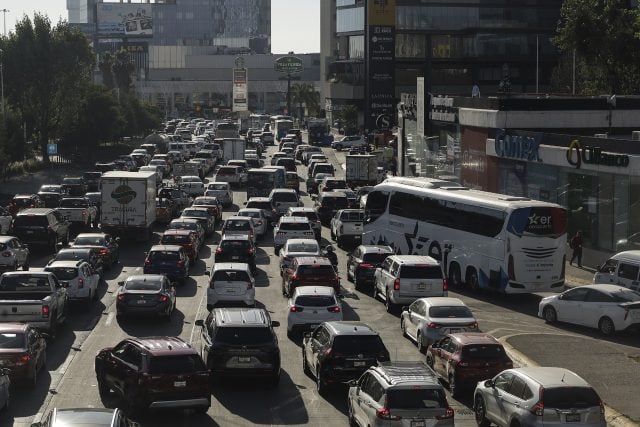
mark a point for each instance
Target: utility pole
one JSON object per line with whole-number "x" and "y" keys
{"x": 4, "y": 19}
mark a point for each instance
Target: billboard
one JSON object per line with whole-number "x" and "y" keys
{"x": 240, "y": 92}
{"x": 380, "y": 48}
{"x": 125, "y": 19}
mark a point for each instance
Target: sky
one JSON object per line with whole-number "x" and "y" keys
{"x": 295, "y": 24}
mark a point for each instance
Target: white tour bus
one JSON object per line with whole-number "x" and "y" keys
{"x": 484, "y": 240}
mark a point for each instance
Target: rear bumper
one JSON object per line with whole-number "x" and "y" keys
{"x": 155, "y": 310}
{"x": 177, "y": 404}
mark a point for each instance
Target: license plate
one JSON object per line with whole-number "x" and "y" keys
{"x": 141, "y": 301}
{"x": 179, "y": 383}
{"x": 30, "y": 231}
{"x": 454, "y": 330}
{"x": 422, "y": 286}
{"x": 244, "y": 359}
{"x": 359, "y": 363}
{"x": 235, "y": 257}
{"x": 418, "y": 423}
{"x": 572, "y": 418}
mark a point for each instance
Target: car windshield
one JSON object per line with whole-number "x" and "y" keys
{"x": 30, "y": 221}
{"x": 183, "y": 226}
{"x": 50, "y": 188}
{"x": 570, "y": 397}
{"x": 24, "y": 283}
{"x": 63, "y": 273}
{"x": 335, "y": 202}
{"x": 420, "y": 272}
{"x": 483, "y": 351}
{"x": 450, "y": 311}
{"x": 164, "y": 255}
{"x": 89, "y": 241}
{"x": 315, "y": 301}
{"x": 356, "y": 344}
{"x": 231, "y": 276}
{"x": 169, "y": 239}
{"x": 374, "y": 258}
{"x": 416, "y": 398}
{"x": 302, "y": 247}
{"x": 142, "y": 285}
{"x": 243, "y": 335}
{"x": 317, "y": 270}
{"x": 182, "y": 364}
{"x": 8, "y": 340}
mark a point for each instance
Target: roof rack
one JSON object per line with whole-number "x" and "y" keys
{"x": 397, "y": 372}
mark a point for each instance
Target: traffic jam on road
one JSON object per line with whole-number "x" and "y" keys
{"x": 223, "y": 279}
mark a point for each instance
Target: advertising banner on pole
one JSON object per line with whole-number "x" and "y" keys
{"x": 240, "y": 91}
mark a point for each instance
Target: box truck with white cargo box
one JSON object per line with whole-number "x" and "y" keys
{"x": 233, "y": 149}
{"x": 361, "y": 169}
{"x": 128, "y": 203}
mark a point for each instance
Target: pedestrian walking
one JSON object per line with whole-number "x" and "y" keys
{"x": 576, "y": 244}
{"x": 393, "y": 166}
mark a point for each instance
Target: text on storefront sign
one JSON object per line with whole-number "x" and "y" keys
{"x": 517, "y": 147}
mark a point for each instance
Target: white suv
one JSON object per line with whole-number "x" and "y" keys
{"x": 402, "y": 279}
{"x": 348, "y": 142}
{"x": 283, "y": 199}
{"x": 82, "y": 281}
{"x": 290, "y": 227}
{"x": 231, "y": 282}
{"x": 311, "y": 305}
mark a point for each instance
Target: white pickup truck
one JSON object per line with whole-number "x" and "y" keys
{"x": 346, "y": 224}
{"x": 80, "y": 211}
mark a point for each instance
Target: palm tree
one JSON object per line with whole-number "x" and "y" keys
{"x": 304, "y": 93}
{"x": 122, "y": 70}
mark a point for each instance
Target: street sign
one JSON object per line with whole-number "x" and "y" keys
{"x": 288, "y": 65}
{"x": 52, "y": 149}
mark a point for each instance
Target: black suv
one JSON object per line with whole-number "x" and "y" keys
{"x": 154, "y": 373}
{"x": 74, "y": 186}
{"x": 237, "y": 248}
{"x": 338, "y": 352}
{"x": 92, "y": 180}
{"x": 41, "y": 226}
{"x": 241, "y": 342}
{"x": 328, "y": 203}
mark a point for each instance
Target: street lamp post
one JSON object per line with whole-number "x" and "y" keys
{"x": 4, "y": 20}
{"x": 2, "y": 81}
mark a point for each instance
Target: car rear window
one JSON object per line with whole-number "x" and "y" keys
{"x": 30, "y": 221}
{"x": 333, "y": 184}
{"x": 295, "y": 226}
{"x": 217, "y": 186}
{"x": 195, "y": 213}
{"x": 244, "y": 335}
{"x": 315, "y": 301}
{"x": 570, "y": 397}
{"x": 237, "y": 225}
{"x": 72, "y": 256}
{"x": 231, "y": 276}
{"x": 8, "y": 340}
{"x": 318, "y": 270}
{"x": 374, "y": 258}
{"x": 63, "y": 273}
{"x": 285, "y": 197}
{"x": 24, "y": 283}
{"x": 483, "y": 351}
{"x": 183, "y": 226}
{"x": 143, "y": 285}
{"x": 164, "y": 255}
{"x": 338, "y": 202}
{"x": 227, "y": 170}
{"x": 89, "y": 241}
{"x": 302, "y": 247}
{"x": 259, "y": 205}
{"x": 235, "y": 245}
{"x": 352, "y": 217}
{"x": 169, "y": 239}
{"x": 450, "y": 311}
{"x": 356, "y": 344}
{"x": 182, "y": 364}
{"x": 420, "y": 272}
{"x": 416, "y": 398}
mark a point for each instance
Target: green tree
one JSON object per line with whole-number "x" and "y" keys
{"x": 304, "y": 93}
{"x": 44, "y": 68}
{"x": 604, "y": 36}
{"x": 105, "y": 65}
{"x": 122, "y": 70}
{"x": 349, "y": 116}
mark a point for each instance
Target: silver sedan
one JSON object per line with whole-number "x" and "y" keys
{"x": 295, "y": 248}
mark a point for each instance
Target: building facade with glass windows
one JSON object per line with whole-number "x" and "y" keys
{"x": 453, "y": 45}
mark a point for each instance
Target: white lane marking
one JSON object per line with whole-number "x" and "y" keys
{"x": 110, "y": 318}
{"x": 193, "y": 325}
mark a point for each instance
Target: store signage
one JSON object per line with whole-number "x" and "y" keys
{"x": 517, "y": 147}
{"x": 288, "y": 65}
{"x": 442, "y": 109}
{"x": 592, "y": 155}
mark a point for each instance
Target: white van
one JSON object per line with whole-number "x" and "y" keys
{"x": 622, "y": 269}
{"x": 181, "y": 147}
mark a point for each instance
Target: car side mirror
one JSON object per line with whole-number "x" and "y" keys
{"x": 489, "y": 384}
{"x": 199, "y": 322}
{"x": 121, "y": 283}
{"x": 275, "y": 323}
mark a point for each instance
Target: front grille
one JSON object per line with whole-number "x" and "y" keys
{"x": 539, "y": 253}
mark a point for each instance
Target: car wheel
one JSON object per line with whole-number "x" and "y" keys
{"x": 333, "y": 235}
{"x": 403, "y": 328}
{"x": 480, "y": 412}
{"x": 352, "y": 419}
{"x": 284, "y": 292}
{"x": 420, "y": 343}
{"x": 606, "y": 326}
{"x": 430, "y": 360}
{"x": 455, "y": 277}
{"x": 472, "y": 280}
{"x": 356, "y": 283}
{"x": 374, "y": 293}
{"x": 339, "y": 241}
{"x": 549, "y": 314}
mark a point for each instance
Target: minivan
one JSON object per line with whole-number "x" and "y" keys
{"x": 621, "y": 269}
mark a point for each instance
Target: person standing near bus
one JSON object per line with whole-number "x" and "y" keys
{"x": 576, "y": 244}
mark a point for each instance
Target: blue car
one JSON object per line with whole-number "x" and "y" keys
{"x": 170, "y": 260}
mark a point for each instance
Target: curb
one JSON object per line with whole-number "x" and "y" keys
{"x": 613, "y": 417}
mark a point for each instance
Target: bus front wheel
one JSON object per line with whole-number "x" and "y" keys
{"x": 472, "y": 280}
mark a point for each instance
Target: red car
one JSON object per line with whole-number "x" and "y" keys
{"x": 22, "y": 350}
{"x": 185, "y": 238}
{"x": 154, "y": 373}
{"x": 309, "y": 271}
{"x": 465, "y": 358}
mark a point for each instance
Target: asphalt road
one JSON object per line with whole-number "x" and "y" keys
{"x": 70, "y": 380}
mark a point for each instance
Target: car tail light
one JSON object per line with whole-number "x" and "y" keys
{"x": 296, "y": 309}
{"x": 433, "y": 325}
{"x": 45, "y": 311}
{"x": 104, "y": 251}
{"x": 219, "y": 250}
{"x": 538, "y": 408}
{"x": 396, "y": 284}
{"x": 121, "y": 297}
{"x": 164, "y": 298}
{"x": 473, "y": 325}
{"x": 250, "y": 251}
{"x": 180, "y": 263}
{"x": 445, "y": 285}
{"x": 23, "y": 360}
{"x": 147, "y": 261}
{"x": 449, "y": 414}
{"x": 259, "y": 223}
{"x": 334, "y": 309}
{"x": 6, "y": 254}
{"x": 286, "y": 258}
{"x": 384, "y": 413}
{"x": 81, "y": 283}
{"x": 365, "y": 265}
{"x": 294, "y": 278}
{"x": 511, "y": 269}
